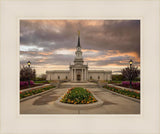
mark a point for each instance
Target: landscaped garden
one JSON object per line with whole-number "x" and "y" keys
{"x": 34, "y": 91}
{"x": 28, "y": 78}
{"x": 135, "y": 84}
{"x": 29, "y": 84}
{"x": 132, "y": 94}
{"x": 78, "y": 95}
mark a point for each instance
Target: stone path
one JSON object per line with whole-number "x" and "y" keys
{"x": 113, "y": 104}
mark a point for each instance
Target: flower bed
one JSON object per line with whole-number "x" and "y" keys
{"x": 78, "y": 95}
{"x": 124, "y": 92}
{"x": 135, "y": 85}
{"x": 34, "y": 91}
{"x": 26, "y": 84}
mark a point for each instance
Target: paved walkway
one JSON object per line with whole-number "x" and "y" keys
{"x": 80, "y": 84}
{"x": 113, "y": 104}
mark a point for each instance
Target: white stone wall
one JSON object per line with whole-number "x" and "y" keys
{"x": 100, "y": 75}
{"x": 109, "y": 76}
{"x": 94, "y": 76}
{"x": 58, "y": 76}
{"x": 97, "y": 75}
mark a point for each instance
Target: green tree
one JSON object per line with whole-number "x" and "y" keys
{"x": 118, "y": 77}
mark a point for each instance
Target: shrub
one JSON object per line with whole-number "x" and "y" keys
{"x": 118, "y": 78}
{"x": 26, "y": 83}
{"x": 135, "y": 85}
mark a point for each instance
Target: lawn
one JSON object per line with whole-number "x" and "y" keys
{"x": 42, "y": 82}
{"x": 118, "y": 82}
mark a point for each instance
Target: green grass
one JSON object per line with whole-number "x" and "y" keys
{"x": 78, "y": 95}
{"x": 35, "y": 91}
{"x": 43, "y": 81}
{"x": 110, "y": 82}
{"x": 124, "y": 92}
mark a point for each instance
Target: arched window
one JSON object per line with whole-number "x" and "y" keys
{"x": 66, "y": 77}
{"x": 98, "y": 77}
{"x": 90, "y": 77}
{"x": 58, "y": 77}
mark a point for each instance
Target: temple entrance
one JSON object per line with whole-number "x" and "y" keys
{"x": 78, "y": 77}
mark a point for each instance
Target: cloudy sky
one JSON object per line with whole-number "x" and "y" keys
{"x": 106, "y": 44}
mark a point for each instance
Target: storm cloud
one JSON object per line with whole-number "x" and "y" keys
{"x": 103, "y": 42}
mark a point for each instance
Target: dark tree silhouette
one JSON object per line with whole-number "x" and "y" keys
{"x": 27, "y": 73}
{"x": 130, "y": 73}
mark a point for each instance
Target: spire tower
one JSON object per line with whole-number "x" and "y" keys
{"x": 78, "y": 45}
{"x": 78, "y": 56}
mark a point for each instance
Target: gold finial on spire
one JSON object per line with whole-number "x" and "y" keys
{"x": 78, "y": 33}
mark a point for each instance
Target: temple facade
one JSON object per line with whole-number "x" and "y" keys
{"x": 78, "y": 71}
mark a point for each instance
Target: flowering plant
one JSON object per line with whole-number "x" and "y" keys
{"x": 135, "y": 85}
{"x": 34, "y": 91}
{"x": 132, "y": 94}
{"x": 78, "y": 95}
{"x": 26, "y": 83}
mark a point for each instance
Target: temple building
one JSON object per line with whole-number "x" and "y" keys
{"x": 78, "y": 72}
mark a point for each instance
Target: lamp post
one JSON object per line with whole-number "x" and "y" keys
{"x": 29, "y": 64}
{"x": 130, "y": 63}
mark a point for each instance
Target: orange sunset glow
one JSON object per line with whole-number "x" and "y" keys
{"x": 106, "y": 44}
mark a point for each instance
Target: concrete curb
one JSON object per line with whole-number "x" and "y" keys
{"x": 124, "y": 96}
{"x": 79, "y": 106}
{"x": 32, "y": 96}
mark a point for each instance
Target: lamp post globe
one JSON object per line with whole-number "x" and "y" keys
{"x": 130, "y": 63}
{"x": 29, "y": 63}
